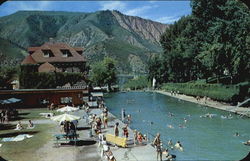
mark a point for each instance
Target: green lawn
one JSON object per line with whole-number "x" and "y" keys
{"x": 33, "y": 114}
{"x": 24, "y": 150}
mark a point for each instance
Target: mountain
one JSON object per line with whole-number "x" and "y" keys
{"x": 128, "y": 39}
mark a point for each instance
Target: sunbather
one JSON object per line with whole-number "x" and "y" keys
{"x": 19, "y": 126}
{"x": 30, "y": 125}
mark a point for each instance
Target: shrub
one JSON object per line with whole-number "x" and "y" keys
{"x": 48, "y": 80}
{"x": 219, "y": 92}
{"x": 138, "y": 83}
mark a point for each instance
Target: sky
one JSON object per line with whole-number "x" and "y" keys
{"x": 161, "y": 11}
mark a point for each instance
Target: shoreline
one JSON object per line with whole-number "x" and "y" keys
{"x": 210, "y": 103}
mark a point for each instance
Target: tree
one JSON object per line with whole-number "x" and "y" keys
{"x": 6, "y": 76}
{"x": 211, "y": 42}
{"x": 104, "y": 73}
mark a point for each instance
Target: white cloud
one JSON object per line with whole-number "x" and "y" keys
{"x": 113, "y": 5}
{"x": 168, "y": 19}
{"x": 139, "y": 11}
{"x": 40, "y": 5}
{"x": 14, "y": 6}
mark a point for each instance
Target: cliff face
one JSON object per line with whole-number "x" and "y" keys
{"x": 128, "y": 39}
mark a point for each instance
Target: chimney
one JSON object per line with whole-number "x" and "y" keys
{"x": 51, "y": 40}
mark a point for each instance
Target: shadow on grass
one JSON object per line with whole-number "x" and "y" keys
{"x": 79, "y": 143}
{"x": 82, "y": 128}
{"x": 17, "y": 118}
{"x": 24, "y": 113}
{"x": 6, "y": 127}
{"x": 13, "y": 134}
{"x": 2, "y": 159}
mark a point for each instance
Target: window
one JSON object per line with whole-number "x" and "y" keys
{"x": 47, "y": 53}
{"x": 66, "y": 99}
{"x": 44, "y": 101}
{"x": 66, "y": 53}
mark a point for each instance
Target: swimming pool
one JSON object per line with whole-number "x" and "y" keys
{"x": 202, "y": 138}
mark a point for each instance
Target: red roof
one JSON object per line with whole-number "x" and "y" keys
{"x": 28, "y": 60}
{"x": 55, "y": 48}
{"x": 47, "y": 67}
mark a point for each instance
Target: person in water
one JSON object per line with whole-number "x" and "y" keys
{"x": 247, "y": 143}
{"x": 236, "y": 134}
{"x": 178, "y": 146}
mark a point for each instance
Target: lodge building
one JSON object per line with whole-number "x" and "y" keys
{"x": 56, "y": 57}
{"x": 52, "y": 57}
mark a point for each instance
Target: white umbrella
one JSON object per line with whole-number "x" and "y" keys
{"x": 67, "y": 109}
{"x": 64, "y": 117}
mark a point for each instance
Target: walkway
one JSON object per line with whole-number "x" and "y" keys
{"x": 210, "y": 103}
{"x": 132, "y": 153}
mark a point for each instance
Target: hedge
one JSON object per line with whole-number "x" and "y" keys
{"x": 48, "y": 80}
{"x": 219, "y": 92}
{"x": 138, "y": 83}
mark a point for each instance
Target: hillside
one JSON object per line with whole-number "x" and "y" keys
{"x": 130, "y": 40}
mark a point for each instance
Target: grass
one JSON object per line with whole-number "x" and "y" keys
{"x": 24, "y": 150}
{"x": 219, "y": 92}
{"x": 33, "y": 114}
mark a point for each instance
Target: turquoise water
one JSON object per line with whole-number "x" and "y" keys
{"x": 202, "y": 138}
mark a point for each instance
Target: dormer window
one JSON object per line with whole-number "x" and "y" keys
{"x": 66, "y": 53}
{"x": 47, "y": 53}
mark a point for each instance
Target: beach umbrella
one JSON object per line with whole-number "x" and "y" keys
{"x": 10, "y": 100}
{"x": 5, "y": 102}
{"x": 64, "y": 117}
{"x": 14, "y": 100}
{"x": 67, "y": 109}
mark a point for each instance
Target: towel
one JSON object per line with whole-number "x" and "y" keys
{"x": 17, "y": 138}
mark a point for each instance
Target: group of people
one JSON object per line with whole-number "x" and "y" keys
{"x": 205, "y": 98}
{"x": 174, "y": 93}
{"x": 69, "y": 128}
{"x": 105, "y": 149}
{"x": 97, "y": 122}
{"x": 19, "y": 125}
{"x": 125, "y": 118}
{"x": 139, "y": 138}
{"x": 159, "y": 148}
{"x": 5, "y": 115}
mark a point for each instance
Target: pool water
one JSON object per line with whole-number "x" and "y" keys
{"x": 202, "y": 138}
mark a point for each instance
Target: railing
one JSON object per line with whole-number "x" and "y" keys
{"x": 242, "y": 103}
{"x": 72, "y": 87}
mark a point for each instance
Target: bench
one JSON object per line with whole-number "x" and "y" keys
{"x": 62, "y": 138}
{"x": 119, "y": 141}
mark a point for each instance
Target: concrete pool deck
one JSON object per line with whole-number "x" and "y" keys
{"x": 131, "y": 153}
{"x": 210, "y": 103}
{"x": 90, "y": 151}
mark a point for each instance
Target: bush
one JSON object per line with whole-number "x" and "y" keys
{"x": 138, "y": 83}
{"x": 219, "y": 92}
{"x": 48, "y": 80}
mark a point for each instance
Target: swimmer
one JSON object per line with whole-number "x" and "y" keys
{"x": 170, "y": 126}
{"x": 170, "y": 143}
{"x": 178, "y": 146}
{"x": 247, "y": 142}
{"x": 236, "y": 134}
{"x": 170, "y": 114}
{"x": 185, "y": 120}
